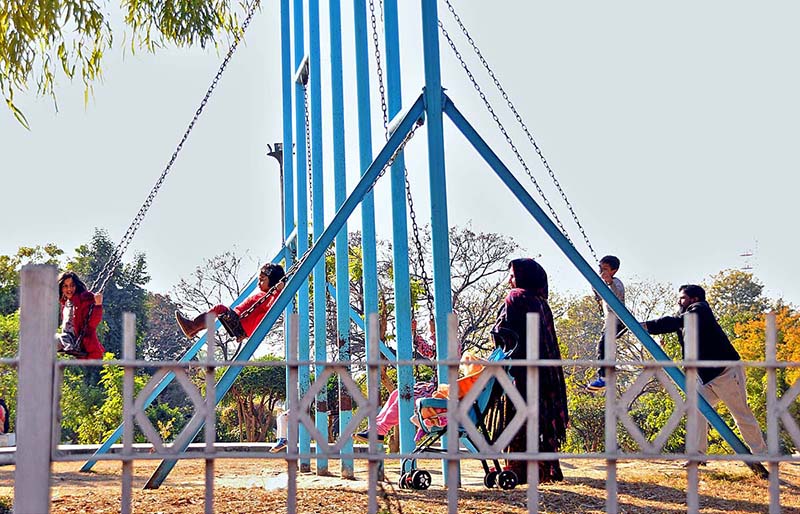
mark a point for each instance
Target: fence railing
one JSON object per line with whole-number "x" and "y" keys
{"x": 41, "y": 375}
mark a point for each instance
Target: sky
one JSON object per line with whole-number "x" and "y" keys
{"x": 671, "y": 127}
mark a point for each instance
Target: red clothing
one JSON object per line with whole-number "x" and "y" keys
{"x": 90, "y": 342}
{"x": 251, "y": 321}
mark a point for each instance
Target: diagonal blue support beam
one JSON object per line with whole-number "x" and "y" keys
{"x": 586, "y": 269}
{"x": 169, "y": 377}
{"x": 316, "y": 252}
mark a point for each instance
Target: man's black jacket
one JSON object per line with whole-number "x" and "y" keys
{"x": 712, "y": 343}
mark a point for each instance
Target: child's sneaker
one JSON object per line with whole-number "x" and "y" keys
{"x": 598, "y": 385}
{"x": 280, "y": 445}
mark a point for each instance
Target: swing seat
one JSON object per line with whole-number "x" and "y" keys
{"x": 69, "y": 346}
{"x": 232, "y": 324}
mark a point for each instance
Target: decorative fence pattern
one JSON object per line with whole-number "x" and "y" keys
{"x": 40, "y": 376}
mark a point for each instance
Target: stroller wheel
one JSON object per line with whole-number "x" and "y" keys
{"x": 490, "y": 480}
{"x": 420, "y": 479}
{"x": 507, "y": 480}
{"x": 405, "y": 480}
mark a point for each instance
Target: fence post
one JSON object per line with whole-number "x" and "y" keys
{"x": 37, "y": 328}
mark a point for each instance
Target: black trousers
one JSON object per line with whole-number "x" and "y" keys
{"x": 601, "y": 344}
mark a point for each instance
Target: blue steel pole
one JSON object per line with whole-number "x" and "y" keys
{"x": 320, "y": 335}
{"x": 288, "y": 144}
{"x": 402, "y": 287}
{"x": 342, "y": 294}
{"x": 300, "y": 276}
{"x": 301, "y": 183}
{"x": 586, "y": 269}
{"x": 438, "y": 183}
{"x": 440, "y": 233}
{"x": 368, "y": 237}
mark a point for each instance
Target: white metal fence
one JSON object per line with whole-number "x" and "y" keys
{"x": 40, "y": 376}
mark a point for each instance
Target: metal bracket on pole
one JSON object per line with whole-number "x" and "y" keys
{"x": 301, "y": 75}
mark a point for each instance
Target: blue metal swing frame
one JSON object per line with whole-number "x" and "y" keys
{"x": 433, "y": 104}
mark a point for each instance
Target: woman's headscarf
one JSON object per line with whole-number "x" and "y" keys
{"x": 528, "y": 274}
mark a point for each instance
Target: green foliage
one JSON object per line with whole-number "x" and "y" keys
{"x": 91, "y": 413}
{"x": 168, "y": 420}
{"x": 256, "y": 392}
{"x": 650, "y": 413}
{"x": 9, "y": 342}
{"x": 6, "y": 505}
{"x": 10, "y": 266}
{"x": 41, "y": 41}
{"x": 735, "y": 297}
{"x": 586, "y": 430}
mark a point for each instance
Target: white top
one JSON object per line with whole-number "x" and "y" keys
{"x": 68, "y": 315}
{"x": 619, "y": 291}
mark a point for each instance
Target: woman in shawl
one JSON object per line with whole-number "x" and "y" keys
{"x": 528, "y": 282}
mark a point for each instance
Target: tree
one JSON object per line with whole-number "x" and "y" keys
{"x": 750, "y": 342}
{"x": 9, "y": 344}
{"x": 39, "y": 42}
{"x": 735, "y": 297}
{"x": 163, "y": 339}
{"x": 478, "y": 279}
{"x": 581, "y": 325}
{"x": 10, "y": 266}
{"x": 256, "y": 392}
{"x": 90, "y": 413}
{"x": 478, "y": 271}
{"x": 219, "y": 280}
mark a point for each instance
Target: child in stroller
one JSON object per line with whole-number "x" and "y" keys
{"x": 431, "y": 417}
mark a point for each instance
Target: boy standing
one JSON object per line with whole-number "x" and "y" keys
{"x": 609, "y": 265}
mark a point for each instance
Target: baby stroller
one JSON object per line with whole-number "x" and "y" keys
{"x": 431, "y": 416}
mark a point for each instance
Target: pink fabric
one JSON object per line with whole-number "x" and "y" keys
{"x": 388, "y": 416}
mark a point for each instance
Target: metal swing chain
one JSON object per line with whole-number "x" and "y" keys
{"x": 503, "y": 131}
{"x": 379, "y": 66}
{"x": 309, "y": 194}
{"x": 412, "y": 213}
{"x": 522, "y": 125}
{"x": 116, "y": 257}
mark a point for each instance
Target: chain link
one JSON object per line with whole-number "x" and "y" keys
{"x": 397, "y": 152}
{"x": 310, "y": 194}
{"x": 412, "y": 213}
{"x": 378, "y": 65}
{"x": 116, "y": 257}
{"x": 522, "y": 124}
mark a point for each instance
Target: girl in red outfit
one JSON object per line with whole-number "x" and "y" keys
{"x": 270, "y": 275}
{"x": 79, "y": 334}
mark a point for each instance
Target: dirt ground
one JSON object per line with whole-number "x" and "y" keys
{"x": 259, "y": 485}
